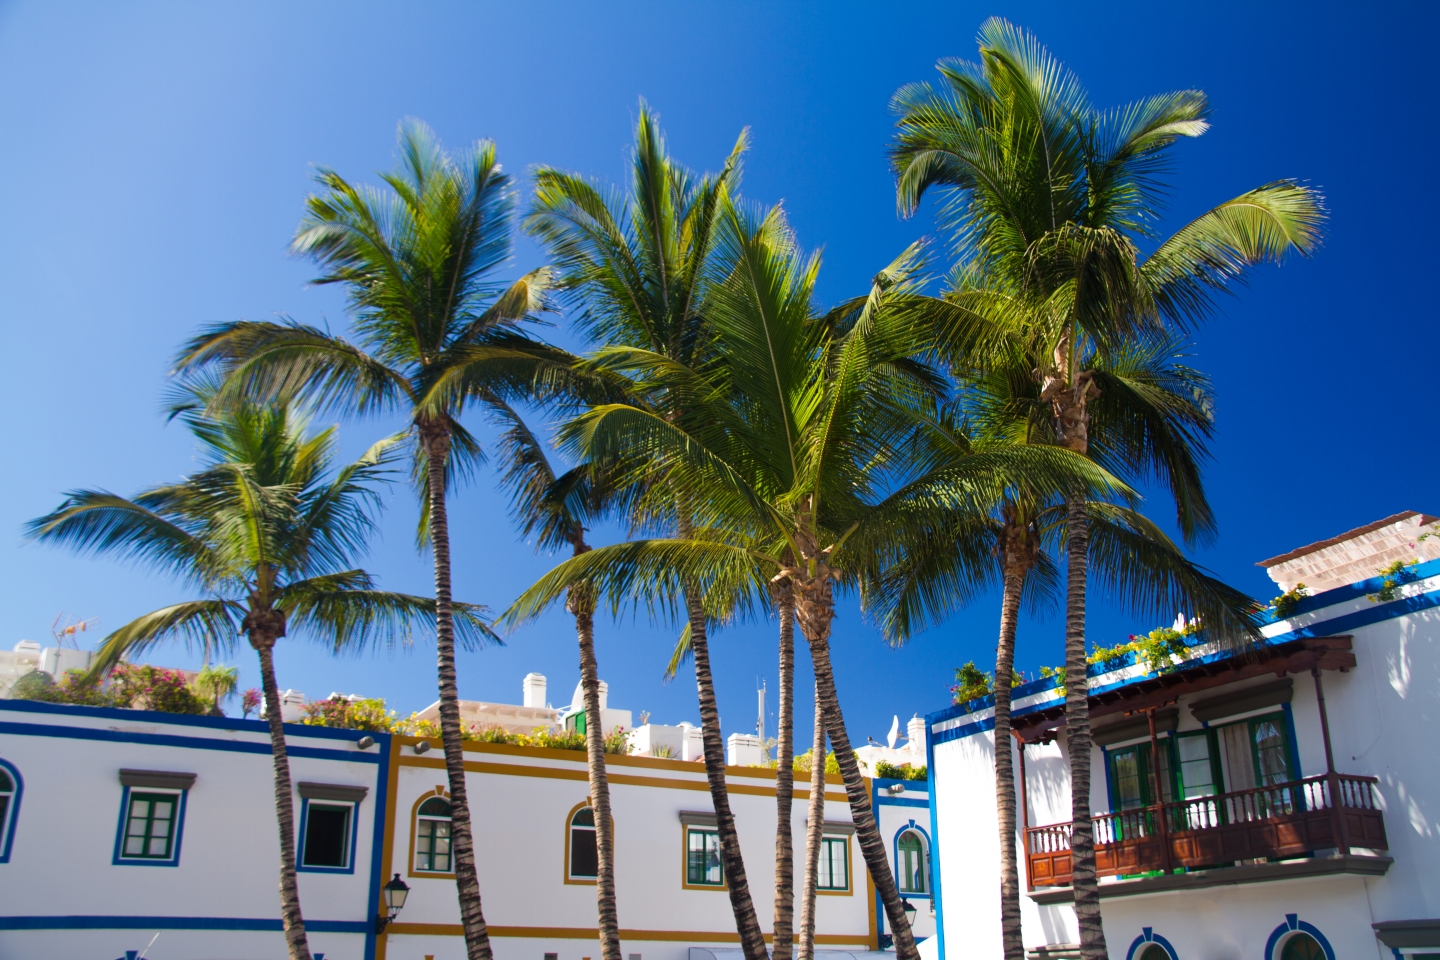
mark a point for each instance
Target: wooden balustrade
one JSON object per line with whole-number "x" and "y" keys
{"x": 1280, "y": 820}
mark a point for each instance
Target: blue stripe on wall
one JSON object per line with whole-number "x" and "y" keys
{"x": 176, "y": 923}
{"x": 175, "y": 740}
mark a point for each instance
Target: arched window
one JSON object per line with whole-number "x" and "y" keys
{"x": 910, "y": 863}
{"x": 584, "y": 860}
{"x": 10, "y": 788}
{"x": 432, "y": 837}
{"x": 1302, "y": 946}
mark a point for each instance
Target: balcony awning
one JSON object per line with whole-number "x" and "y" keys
{"x": 1293, "y": 656}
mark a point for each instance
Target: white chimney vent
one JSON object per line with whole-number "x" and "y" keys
{"x": 534, "y": 690}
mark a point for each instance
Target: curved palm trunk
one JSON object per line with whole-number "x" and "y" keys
{"x": 783, "y": 942}
{"x": 1010, "y": 932}
{"x": 582, "y": 604}
{"x": 752, "y": 939}
{"x": 814, "y": 831}
{"x": 263, "y": 640}
{"x": 816, "y": 611}
{"x": 462, "y": 841}
{"x": 1077, "y": 737}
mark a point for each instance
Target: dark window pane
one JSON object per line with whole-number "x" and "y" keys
{"x": 327, "y": 836}
{"x": 7, "y": 785}
{"x": 584, "y": 817}
{"x": 435, "y": 807}
{"x": 584, "y": 858}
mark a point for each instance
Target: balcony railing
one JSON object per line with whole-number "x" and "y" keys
{"x": 1282, "y": 820}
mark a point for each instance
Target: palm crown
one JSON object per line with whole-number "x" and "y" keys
{"x": 264, "y": 525}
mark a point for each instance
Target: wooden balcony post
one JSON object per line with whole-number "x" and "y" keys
{"x": 1337, "y": 809}
{"x": 1024, "y": 814}
{"x": 1160, "y": 825}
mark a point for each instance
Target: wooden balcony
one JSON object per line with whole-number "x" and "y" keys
{"x": 1331, "y": 811}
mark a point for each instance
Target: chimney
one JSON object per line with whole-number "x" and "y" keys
{"x": 915, "y": 729}
{"x": 534, "y": 687}
{"x": 604, "y": 695}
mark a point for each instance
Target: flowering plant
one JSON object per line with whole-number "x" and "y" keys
{"x": 250, "y": 701}
{"x": 1392, "y": 578}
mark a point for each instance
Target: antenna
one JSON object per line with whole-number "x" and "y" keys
{"x": 68, "y": 628}
{"x": 760, "y": 722}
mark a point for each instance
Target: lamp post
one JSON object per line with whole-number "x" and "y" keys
{"x": 909, "y": 909}
{"x": 395, "y": 893}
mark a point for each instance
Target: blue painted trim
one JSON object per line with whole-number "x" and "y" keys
{"x": 12, "y": 816}
{"x": 119, "y": 860}
{"x": 1148, "y": 936}
{"x": 886, "y": 801}
{"x": 1355, "y": 591}
{"x": 1293, "y": 924}
{"x": 927, "y": 853}
{"x": 179, "y": 719}
{"x": 377, "y": 836}
{"x": 934, "y": 781}
{"x": 352, "y": 828}
{"x": 193, "y": 743}
{"x": 176, "y": 923}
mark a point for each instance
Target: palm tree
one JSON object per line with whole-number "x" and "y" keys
{"x": 787, "y": 466}
{"x": 814, "y": 832}
{"x": 638, "y": 267}
{"x": 1052, "y": 197}
{"x": 433, "y": 334}
{"x": 268, "y": 538}
{"x": 555, "y": 509}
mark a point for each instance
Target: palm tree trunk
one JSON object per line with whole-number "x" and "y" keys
{"x": 462, "y": 842}
{"x": 814, "y": 831}
{"x": 582, "y": 604}
{"x": 752, "y": 939}
{"x": 783, "y": 942}
{"x": 816, "y": 611}
{"x": 1010, "y": 932}
{"x": 290, "y": 917}
{"x": 1077, "y": 737}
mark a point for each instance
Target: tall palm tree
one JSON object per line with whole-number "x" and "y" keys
{"x": 268, "y": 537}
{"x": 638, "y": 267}
{"x": 433, "y": 333}
{"x": 555, "y": 508}
{"x": 1054, "y": 197}
{"x": 814, "y": 834}
{"x": 788, "y": 467}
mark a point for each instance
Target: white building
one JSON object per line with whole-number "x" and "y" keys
{"x": 1293, "y": 813}
{"x": 126, "y": 831}
{"x": 122, "y": 826}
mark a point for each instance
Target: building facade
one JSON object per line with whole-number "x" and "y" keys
{"x": 1280, "y": 803}
{"x": 128, "y": 832}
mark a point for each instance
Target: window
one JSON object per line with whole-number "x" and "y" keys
{"x": 584, "y": 862}
{"x": 702, "y": 858}
{"x": 910, "y": 863}
{"x": 325, "y": 835}
{"x": 10, "y": 788}
{"x": 152, "y": 817}
{"x": 432, "y": 836}
{"x": 1154, "y": 952}
{"x": 150, "y": 826}
{"x": 1302, "y": 946}
{"x": 1257, "y": 755}
{"x": 834, "y": 864}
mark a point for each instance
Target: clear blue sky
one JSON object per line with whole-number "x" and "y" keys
{"x": 155, "y": 157}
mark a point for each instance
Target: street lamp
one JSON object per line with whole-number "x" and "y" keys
{"x": 395, "y": 893}
{"x": 905, "y": 905}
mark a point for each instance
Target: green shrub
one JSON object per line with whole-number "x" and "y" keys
{"x": 888, "y": 771}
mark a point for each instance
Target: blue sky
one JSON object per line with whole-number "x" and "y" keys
{"x": 156, "y": 156}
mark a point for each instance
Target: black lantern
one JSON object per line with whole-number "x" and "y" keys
{"x": 395, "y": 893}
{"x": 905, "y": 905}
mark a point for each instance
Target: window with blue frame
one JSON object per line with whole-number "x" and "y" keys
{"x": 152, "y": 817}
{"x": 11, "y": 787}
{"x": 327, "y": 826}
{"x": 910, "y": 864}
